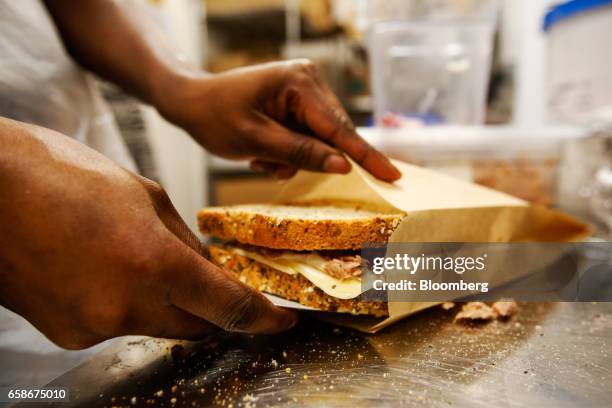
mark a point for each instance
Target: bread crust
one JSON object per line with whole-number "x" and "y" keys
{"x": 297, "y": 234}
{"x": 291, "y": 287}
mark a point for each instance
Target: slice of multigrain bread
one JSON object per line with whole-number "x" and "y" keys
{"x": 298, "y": 228}
{"x": 291, "y": 287}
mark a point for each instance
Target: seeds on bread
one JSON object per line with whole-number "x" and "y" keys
{"x": 298, "y": 228}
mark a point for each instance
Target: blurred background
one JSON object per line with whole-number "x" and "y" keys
{"x": 515, "y": 95}
{"x": 511, "y": 94}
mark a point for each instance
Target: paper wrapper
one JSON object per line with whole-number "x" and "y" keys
{"x": 438, "y": 209}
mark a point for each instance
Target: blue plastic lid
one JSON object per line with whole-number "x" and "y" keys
{"x": 569, "y": 9}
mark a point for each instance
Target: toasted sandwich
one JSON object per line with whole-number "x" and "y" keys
{"x": 305, "y": 254}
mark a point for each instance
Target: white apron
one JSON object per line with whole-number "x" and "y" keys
{"x": 40, "y": 84}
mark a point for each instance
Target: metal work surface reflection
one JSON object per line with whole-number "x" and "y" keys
{"x": 548, "y": 354}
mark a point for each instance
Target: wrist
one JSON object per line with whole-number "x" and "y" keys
{"x": 175, "y": 93}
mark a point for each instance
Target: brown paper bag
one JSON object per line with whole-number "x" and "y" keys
{"x": 438, "y": 209}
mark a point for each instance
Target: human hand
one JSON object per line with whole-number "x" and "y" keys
{"x": 281, "y": 116}
{"x": 90, "y": 251}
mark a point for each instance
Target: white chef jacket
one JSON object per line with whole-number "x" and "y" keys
{"x": 40, "y": 84}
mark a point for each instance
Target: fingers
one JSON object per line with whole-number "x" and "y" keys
{"x": 296, "y": 150}
{"x": 279, "y": 171}
{"x": 331, "y": 123}
{"x": 207, "y": 291}
{"x": 204, "y": 293}
{"x": 201, "y": 292}
{"x": 321, "y": 111}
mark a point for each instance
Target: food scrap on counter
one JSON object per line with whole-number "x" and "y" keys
{"x": 447, "y": 305}
{"x": 480, "y": 311}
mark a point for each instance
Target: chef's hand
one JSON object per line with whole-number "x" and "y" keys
{"x": 90, "y": 251}
{"x": 279, "y": 115}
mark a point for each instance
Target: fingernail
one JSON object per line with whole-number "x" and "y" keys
{"x": 336, "y": 164}
{"x": 396, "y": 173}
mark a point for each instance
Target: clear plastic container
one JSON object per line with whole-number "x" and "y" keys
{"x": 525, "y": 163}
{"x": 370, "y": 12}
{"x": 579, "y": 60}
{"x": 432, "y": 72}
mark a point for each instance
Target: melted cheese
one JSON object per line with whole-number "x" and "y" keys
{"x": 309, "y": 266}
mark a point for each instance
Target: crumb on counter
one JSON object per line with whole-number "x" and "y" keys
{"x": 476, "y": 311}
{"x": 505, "y": 308}
{"x": 480, "y": 311}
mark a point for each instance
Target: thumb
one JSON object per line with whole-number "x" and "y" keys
{"x": 205, "y": 290}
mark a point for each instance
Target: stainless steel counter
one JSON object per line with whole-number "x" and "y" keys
{"x": 548, "y": 355}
